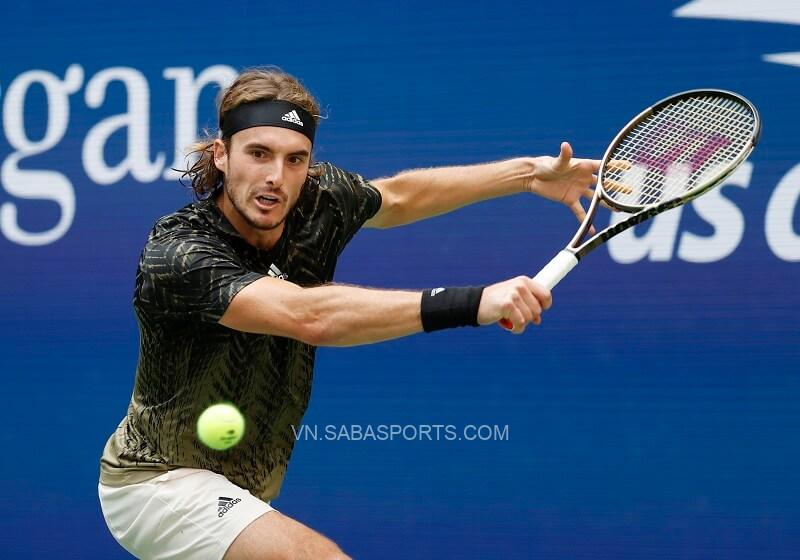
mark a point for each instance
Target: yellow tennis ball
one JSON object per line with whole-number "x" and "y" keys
{"x": 220, "y": 426}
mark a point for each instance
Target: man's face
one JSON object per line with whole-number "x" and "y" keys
{"x": 264, "y": 172}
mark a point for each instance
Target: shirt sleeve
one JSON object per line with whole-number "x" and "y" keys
{"x": 356, "y": 198}
{"x": 190, "y": 274}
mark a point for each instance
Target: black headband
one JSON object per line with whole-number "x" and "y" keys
{"x": 284, "y": 114}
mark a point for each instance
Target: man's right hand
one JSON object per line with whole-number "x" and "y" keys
{"x": 519, "y": 300}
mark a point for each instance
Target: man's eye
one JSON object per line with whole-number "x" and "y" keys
{"x": 258, "y": 154}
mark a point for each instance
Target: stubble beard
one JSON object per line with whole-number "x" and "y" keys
{"x": 241, "y": 209}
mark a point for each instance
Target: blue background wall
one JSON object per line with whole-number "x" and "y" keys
{"x": 653, "y": 415}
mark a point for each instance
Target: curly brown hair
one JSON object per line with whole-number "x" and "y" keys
{"x": 254, "y": 84}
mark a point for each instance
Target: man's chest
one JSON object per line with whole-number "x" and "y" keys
{"x": 306, "y": 257}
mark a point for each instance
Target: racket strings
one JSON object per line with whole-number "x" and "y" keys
{"x": 677, "y": 149}
{"x": 661, "y": 147}
{"x": 667, "y": 142}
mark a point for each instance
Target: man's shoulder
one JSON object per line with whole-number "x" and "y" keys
{"x": 340, "y": 183}
{"x": 331, "y": 176}
{"x": 191, "y": 230}
{"x": 194, "y": 220}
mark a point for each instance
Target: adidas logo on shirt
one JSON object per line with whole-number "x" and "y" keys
{"x": 292, "y": 117}
{"x": 225, "y": 504}
{"x": 275, "y": 272}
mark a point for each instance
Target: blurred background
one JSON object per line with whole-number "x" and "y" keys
{"x": 654, "y": 414}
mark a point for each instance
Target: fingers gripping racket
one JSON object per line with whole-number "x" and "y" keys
{"x": 669, "y": 154}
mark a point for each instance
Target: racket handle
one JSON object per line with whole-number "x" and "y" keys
{"x": 549, "y": 276}
{"x": 556, "y": 269}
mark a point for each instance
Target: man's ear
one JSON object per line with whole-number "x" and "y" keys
{"x": 220, "y": 156}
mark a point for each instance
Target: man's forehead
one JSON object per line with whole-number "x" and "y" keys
{"x": 274, "y": 137}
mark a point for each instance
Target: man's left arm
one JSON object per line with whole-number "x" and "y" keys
{"x": 422, "y": 193}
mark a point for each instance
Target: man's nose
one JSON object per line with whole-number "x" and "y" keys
{"x": 274, "y": 174}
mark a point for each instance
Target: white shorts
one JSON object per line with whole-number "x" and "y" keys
{"x": 181, "y": 514}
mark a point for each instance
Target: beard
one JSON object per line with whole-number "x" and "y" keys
{"x": 240, "y": 204}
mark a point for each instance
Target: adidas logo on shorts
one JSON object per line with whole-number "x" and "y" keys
{"x": 225, "y": 504}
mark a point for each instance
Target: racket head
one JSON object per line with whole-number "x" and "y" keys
{"x": 677, "y": 149}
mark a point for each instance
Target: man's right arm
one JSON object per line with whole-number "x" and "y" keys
{"x": 339, "y": 315}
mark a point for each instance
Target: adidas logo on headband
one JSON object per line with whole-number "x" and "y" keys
{"x": 292, "y": 117}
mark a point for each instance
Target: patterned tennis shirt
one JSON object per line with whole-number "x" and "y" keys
{"x": 192, "y": 266}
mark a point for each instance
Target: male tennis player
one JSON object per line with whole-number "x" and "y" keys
{"x": 232, "y": 296}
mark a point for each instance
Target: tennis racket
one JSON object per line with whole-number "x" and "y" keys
{"x": 670, "y": 153}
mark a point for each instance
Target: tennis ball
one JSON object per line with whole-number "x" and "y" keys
{"x": 220, "y": 426}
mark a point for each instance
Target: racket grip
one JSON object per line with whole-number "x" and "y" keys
{"x": 556, "y": 269}
{"x": 549, "y": 276}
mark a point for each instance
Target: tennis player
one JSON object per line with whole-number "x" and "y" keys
{"x": 233, "y": 294}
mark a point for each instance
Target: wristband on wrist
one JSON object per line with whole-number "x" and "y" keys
{"x": 446, "y": 308}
